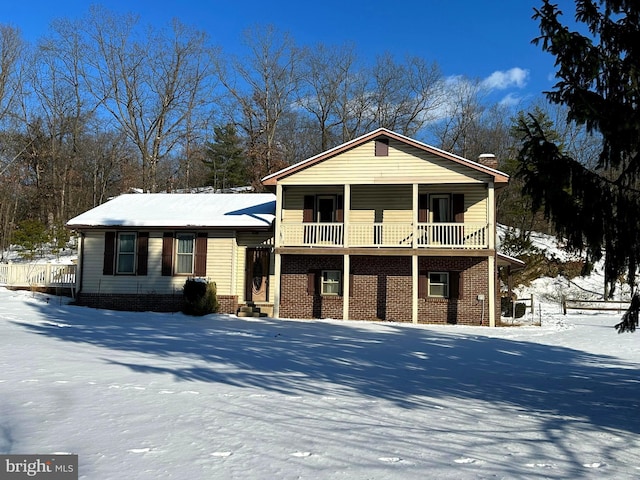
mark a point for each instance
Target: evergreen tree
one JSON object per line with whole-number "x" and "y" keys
{"x": 596, "y": 208}
{"x": 226, "y": 158}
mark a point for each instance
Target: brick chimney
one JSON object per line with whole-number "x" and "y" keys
{"x": 488, "y": 160}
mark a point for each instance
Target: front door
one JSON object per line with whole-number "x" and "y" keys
{"x": 257, "y": 279}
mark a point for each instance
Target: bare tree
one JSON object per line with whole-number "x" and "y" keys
{"x": 150, "y": 84}
{"x": 264, "y": 85}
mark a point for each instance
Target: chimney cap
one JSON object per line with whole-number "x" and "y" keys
{"x": 488, "y": 156}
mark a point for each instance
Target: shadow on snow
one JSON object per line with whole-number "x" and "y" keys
{"x": 399, "y": 363}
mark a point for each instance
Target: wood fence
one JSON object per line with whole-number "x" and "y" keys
{"x": 44, "y": 275}
{"x": 618, "y": 306}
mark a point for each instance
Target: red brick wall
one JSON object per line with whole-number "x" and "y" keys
{"x": 381, "y": 289}
{"x": 295, "y": 301}
{"x": 148, "y": 302}
{"x": 466, "y": 310}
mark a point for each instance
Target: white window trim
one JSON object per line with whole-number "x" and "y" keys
{"x": 132, "y": 254}
{"x": 179, "y": 236}
{"x": 447, "y": 285}
{"x": 330, "y": 282}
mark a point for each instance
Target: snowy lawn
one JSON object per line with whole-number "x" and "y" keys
{"x": 155, "y": 396}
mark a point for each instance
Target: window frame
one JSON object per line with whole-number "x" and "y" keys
{"x": 178, "y": 255}
{"x": 446, "y": 284}
{"x": 133, "y": 254}
{"x": 432, "y": 209}
{"x": 330, "y": 282}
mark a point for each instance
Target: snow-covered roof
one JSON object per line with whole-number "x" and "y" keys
{"x": 250, "y": 210}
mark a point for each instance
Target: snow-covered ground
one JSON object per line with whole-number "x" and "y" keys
{"x": 157, "y": 396}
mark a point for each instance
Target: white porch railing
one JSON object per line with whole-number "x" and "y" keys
{"x": 429, "y": 235}
{"x": 37, "y": 275}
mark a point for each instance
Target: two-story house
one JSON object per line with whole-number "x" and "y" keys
{"x": 380, "y": 228}
{"x": 387, "y": 228}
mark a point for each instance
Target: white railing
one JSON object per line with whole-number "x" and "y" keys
{"x": 429, "y": 235}
{"x": 37, "y": 275}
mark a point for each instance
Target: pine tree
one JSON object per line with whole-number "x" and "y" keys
{"x": 226, "y": 158}
{"x": 597, "y": 209}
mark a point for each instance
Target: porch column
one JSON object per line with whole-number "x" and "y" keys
{"x": 346, "y": 213}
{"x": 277, "y": 268}
{"x": 491, "y": 205}
{"x": 414, "y": 288}
{"x": 346, "y": 290}
{"x": 415, "y": 215}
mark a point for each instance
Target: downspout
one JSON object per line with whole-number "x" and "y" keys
{"x": 80, "y": 264}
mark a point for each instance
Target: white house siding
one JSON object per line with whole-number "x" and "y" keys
{"x": 219, "y": 250}
{"x": 403, "y": 165}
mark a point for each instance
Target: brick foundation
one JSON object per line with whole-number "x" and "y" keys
{"x": 381, "y": 289}
{"x": 147, "y": 302}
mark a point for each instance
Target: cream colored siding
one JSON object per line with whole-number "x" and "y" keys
{"x": 404, "y": 165}
{"x": 294, "y": 200}
{"x": 382, "y": 203}
{"x": 220, "y": 267}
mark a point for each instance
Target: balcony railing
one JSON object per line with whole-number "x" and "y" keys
{"x": 428, "y": 235}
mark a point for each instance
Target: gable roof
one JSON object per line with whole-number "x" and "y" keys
{"x": 500, "y": 178}
{"x": 174, "y": 210}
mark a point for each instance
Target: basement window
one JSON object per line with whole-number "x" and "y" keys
{"x": 331, "y": 282}
{"x": 438, "y": 284}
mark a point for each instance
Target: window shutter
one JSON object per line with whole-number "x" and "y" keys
{"x": 143, "y": 252}
{"x": 200, "y": 262}
{"x": 109, "y": 253}
{"x": 455, "y": 285}
{"x": 422, "y": 285}
{"x": 167, "y": 254}
{"x": 311, "y": 282}
{"x": 307, "y": 214}
{"x": 382, "y": 147}
{"x": 423, "y": 208}
{"x": 351, "y": 285}
{"x": 457, "y": 199}
{"x": 340, "y": 209}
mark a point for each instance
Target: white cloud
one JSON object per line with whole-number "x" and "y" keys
{"x": 500, "y": 80}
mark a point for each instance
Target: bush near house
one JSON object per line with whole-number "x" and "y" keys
{"x": 200, "y": 297}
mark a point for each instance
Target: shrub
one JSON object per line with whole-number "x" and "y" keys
{"x": 506, "y": 307}
{"x": 199, "y": 297}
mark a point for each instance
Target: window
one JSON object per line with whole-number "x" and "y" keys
{"x": 126, "y": 262}
{"x": 438, "y": 284}
{"x": 331, "y": 281}
{"x": 185, "y": 253}
{"x": 440, "y": 208}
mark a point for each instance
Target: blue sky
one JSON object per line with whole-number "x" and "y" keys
{"x": 480, "y": 39}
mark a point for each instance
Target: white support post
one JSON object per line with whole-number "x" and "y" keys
{"x": 277, "y": 268}
{"x": 492, "y": 256}
{"x": 346, "y": 209}
{"x": 346, "y": 287}
{"x": 414, "y": 288}
{"x": 415, "y": 207}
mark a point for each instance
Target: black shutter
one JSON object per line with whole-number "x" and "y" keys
{"x": 167, "y": 254}
{"x": 340, "y": 209}
{"x": 422, "y": 285}
{"x": 109, "y": 253}
{"x": 143, "y": 252}
{"x": 307, "y": 214}
{"x": 457, "y": 199}
{"x": 455, "y": 285}
{"x": 200, "y": 263}
{"x": 423, "y": 208}
{"x": 311, "y": 282}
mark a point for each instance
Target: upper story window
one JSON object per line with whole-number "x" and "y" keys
{"x": 185, "y": 253}
{"x": 440, "y": 208}
{"x": 126, "y": 259}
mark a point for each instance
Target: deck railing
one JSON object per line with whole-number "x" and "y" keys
{"x": 37, "y": 275}
{"x": 385, "y": 234}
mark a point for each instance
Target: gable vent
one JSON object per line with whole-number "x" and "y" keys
{"x": 382, "y": 147}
